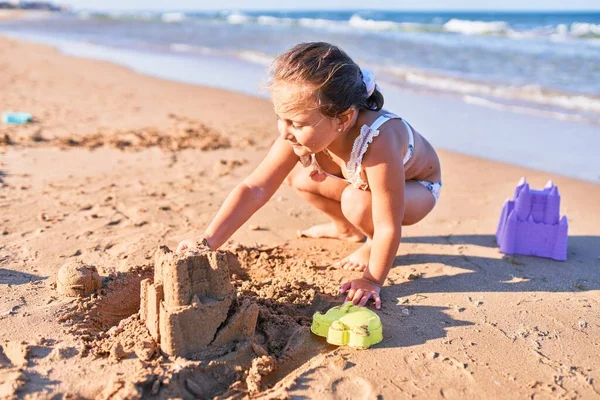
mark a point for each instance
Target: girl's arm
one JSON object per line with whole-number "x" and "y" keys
{"x": 384, "y": 168}
{"x": 386, "y": 180}
{"x": 250, "y": 195}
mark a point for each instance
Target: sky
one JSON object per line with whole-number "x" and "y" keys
{"x": 434, "y": 5}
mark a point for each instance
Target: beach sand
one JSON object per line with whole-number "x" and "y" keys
{"x": 117, "y": 164}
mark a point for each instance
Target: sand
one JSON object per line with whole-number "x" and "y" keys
{"x": 118, "y": 164}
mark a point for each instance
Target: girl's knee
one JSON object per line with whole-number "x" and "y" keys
{"x": 411, "y": 219}
{"x": 300, "y": 181}
{"x": 412, "y": 215}
{"x": 418, "y": 203}
{"x": 355, "y": 204}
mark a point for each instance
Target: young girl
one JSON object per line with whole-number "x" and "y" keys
{"x": 366, "y": 168}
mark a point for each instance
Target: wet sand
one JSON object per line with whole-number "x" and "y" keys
{"x": 119, "y": 163}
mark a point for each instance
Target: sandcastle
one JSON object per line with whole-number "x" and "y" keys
{"x": 186, "y": 307}
{"x": 530, "y": 224}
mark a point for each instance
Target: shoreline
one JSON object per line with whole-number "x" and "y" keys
{"x": 6, "y": 15}
{"x": 489, "y": 133}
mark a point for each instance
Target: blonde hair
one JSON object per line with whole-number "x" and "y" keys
{"x": 327, "y": 76}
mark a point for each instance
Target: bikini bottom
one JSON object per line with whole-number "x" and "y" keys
{"x": 434, "y": 187}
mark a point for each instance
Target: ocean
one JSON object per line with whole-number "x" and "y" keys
{"x": 546, "y": 63}
{"x": 521, "y": 88}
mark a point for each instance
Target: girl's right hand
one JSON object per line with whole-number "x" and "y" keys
{"x": 360, "y": 290}
{"x": 192, "y": 243}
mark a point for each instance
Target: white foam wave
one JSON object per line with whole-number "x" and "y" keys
{"x": 255, "y": 57}
{"x": 479, "y": 101}
{"x": 581, "y": 29}
{"x": 555, "y": 33}
{"x": 186, "y": 48}
{"x": 319, "y": 23}
{"x": 357, "y": 21}
{"x": 530, "y": 93}
{"x": 560, "y": 32}
{"x": 237, "y": 18}
{"x": 171, "y": 17}
{"x": 274, "y": 21}
{"x": 476, "y": 27}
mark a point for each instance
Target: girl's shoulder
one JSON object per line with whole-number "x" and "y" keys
{"x": 372, "y": 123}
{"x": 370, "y": 117}
{"x": 384, "y": 134}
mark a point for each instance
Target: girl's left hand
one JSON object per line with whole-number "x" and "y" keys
{"x": 360, "y": 291}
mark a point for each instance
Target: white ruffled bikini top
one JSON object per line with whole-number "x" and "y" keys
{"x": 359, "y": 148}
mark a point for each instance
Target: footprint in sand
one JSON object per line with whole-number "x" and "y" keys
{"x": 352, "y": 388}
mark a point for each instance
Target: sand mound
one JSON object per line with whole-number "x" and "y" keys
{"x": 189, "y": 135}
{"x": 91, "y": 317}
{"x": 184, "y": 133}
{"x": 76, "y": 279}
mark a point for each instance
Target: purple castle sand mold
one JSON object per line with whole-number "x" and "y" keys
{"x": 530, "y": 225}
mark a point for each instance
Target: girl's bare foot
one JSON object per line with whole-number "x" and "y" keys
{"x": 358, "y": 260}
{"x": 331, "y": 230}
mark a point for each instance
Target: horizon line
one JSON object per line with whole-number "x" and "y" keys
{"x": 548, "y": 11}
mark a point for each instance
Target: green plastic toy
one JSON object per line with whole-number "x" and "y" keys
{"x": 350, "y": 325}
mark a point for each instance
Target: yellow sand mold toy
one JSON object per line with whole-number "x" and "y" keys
{"x": 350, "y": 325}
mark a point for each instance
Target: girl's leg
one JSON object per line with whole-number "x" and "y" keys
{"x": 351, "y": 213}
{"x": 324, "y": 196}
{"x": 356, "y": 207}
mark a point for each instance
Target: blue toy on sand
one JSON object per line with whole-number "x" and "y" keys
{"x": 16, "y": 118}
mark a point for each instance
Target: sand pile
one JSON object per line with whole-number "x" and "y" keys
{"x": 183, "y": 134}
{"x": 199, "y": 329}
{"x": 77, "y": 279}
